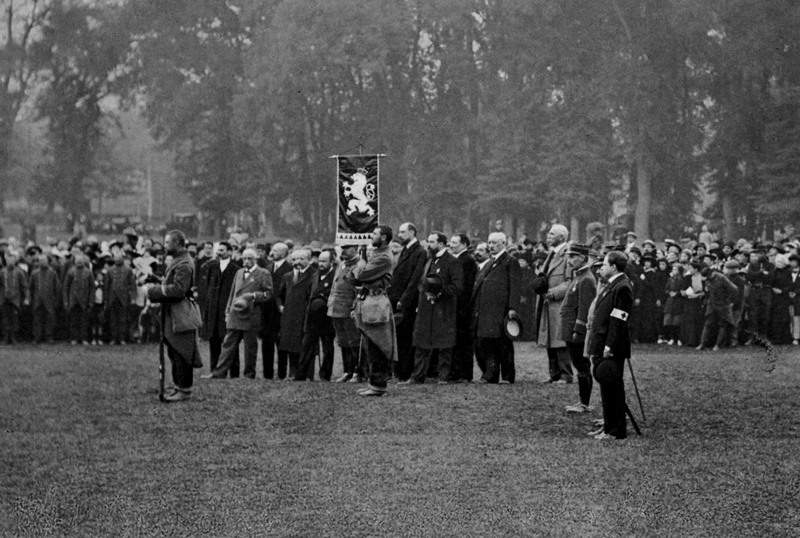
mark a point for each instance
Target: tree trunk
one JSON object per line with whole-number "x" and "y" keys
{"x": 728, "y": 218}
{"x": 643, "y": 183}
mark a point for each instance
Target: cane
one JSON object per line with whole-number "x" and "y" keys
{"x": 633, "y": 420}
{"x": 161, "y": 355}
{"x": 638, "y": 397}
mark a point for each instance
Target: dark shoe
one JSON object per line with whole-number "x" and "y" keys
{"x": 356, "y": 379}
{"x": 178, "y": 396}
{"x": 344, "y": 379}
{"x": 211, "y": 376}
{"x": 700, "y": 348}
{"x": 549, "y": 380}
{"x": 595, "y": 432}
{"x": 443, "y": 382}
{"x": 409, "y": 382}
{"x": 563, "y": 382}
{"x": 480, "y": 381}
{"x": 606, "y": 437}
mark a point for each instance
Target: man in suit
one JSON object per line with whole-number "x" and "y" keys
{"x": 219, "y": 276}
{"x": 721, "y": 294}
{"x": 496, "y": 295}
{"x": 292, "y": 298}
{"x": 574, "y": 314}
{"x": 182, "y": 348}
{"x": 318, "y": 326}
{"x": 462, "y": 352}
{"x": 482, "y": 259}
{"x": 45, "y": 293}
{"x": 278, "y": 265}
{"x": 558, "y": 274}
{"x": 120, "y": 292}
{"x": 403, "y": 294}
{"x": 373, "y": 312}
{"x": 14, "y": 293}
{"x": 78, "y": 295}
{"x": 340, "y": 307}
{"x": 608, "y": 343}
{"x": 435, "y": 326}
{"x": 252, "y": 287}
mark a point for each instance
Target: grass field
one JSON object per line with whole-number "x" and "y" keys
{"x": 87, "y": 450}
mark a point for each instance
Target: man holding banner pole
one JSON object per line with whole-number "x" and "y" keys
{"x": 373, "y": 312}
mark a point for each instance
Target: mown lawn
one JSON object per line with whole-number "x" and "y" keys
{"x": 87, "y": 450}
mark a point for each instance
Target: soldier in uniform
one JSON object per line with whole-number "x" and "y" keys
{"x": 119, "y": 293}
{"x": 373, "y": 312}
{"x": 340, "y": 306}
{"x": 608, "y": 343}
{"x": 574, "y": 314}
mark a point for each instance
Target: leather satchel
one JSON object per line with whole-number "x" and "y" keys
{"x": 186, "y": 316}
{"x": 376, "y": 309}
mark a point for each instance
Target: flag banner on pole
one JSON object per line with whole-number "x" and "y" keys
{"x": 357, "y": 179}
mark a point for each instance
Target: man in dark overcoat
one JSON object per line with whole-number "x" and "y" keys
{"x": 292, "y": 298}
{"x": 278, "y": 265}
{"x": 574, "y": 314}
{"x": 182, "y": 348}
{"x": 463, "y": 350}
{"x": 119, "y": 293}
{"x": 496, "y": 295}
{"x": 252, "y": 287}
{"x": 403, "y": 294}
{"x": 78, "y": 296}
{"x": 45, "y": 294}
{"x": 435, "y": 326}
{"x": 318, "y": 330}
{"x": 608, "y": 343}
{"x": 14, "y": 293}
{"x": 218, "y": 279}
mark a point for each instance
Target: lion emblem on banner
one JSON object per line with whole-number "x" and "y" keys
{"x": 359, "y": 194}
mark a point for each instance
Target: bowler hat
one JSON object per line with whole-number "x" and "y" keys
{"x": 242, "y": 306}
{"x": 732, "y": 264}
{"x": 434, "y": 283}
{"x": 512, "y": 326}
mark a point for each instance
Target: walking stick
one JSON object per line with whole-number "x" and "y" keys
{"x": 638, "y": 397}
{"x": 161, "y": 355}
{"x": 633, "y": 420}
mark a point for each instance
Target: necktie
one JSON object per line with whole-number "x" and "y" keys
{"x": 296, "y": 276}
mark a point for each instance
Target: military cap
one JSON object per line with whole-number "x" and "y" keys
{"x": 576, "y": 249}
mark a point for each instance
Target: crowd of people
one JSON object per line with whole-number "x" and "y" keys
{"x": 432, "y": 306}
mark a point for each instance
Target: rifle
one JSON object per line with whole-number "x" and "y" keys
{"x": 161, "y": 354}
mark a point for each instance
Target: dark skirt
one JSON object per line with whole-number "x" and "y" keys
{"x": 693, "y": 319}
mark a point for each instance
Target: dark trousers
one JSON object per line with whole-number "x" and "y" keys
{"x": 584, "y": 367}
{"x": 78, "y": 324}
{"x": 422, "y": 361}
{"x": 230, "y": 353}
{"x": 405, "y": 347}
{"x": 462, "y": 356}
{"x": 760, "y": 303}
{"x": 96, "y": 317}
{"x": 182, "y": 371}
{"x": 294, "y": 362}
{"x": 44, "y": 324}
{"x": 350, "y": 363}
{"x": 10, "y": 321}
{"x": 119, "y": 322}
{"x": 608, "y": 373}
{"x": 269, "y": 343}
{"x": 559, "y": 363}
{"x": 377, "y": 365}
{"x": 215, "y": 351}
{"x": 498, "y": 353}
{"x": 715, "y": 325}
{"x": 311, "y": 348}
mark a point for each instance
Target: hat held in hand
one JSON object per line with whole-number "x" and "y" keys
{"x": 242, "y": 306}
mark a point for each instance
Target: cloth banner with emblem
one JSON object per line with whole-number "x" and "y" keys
{"x": 357, "y": 180}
